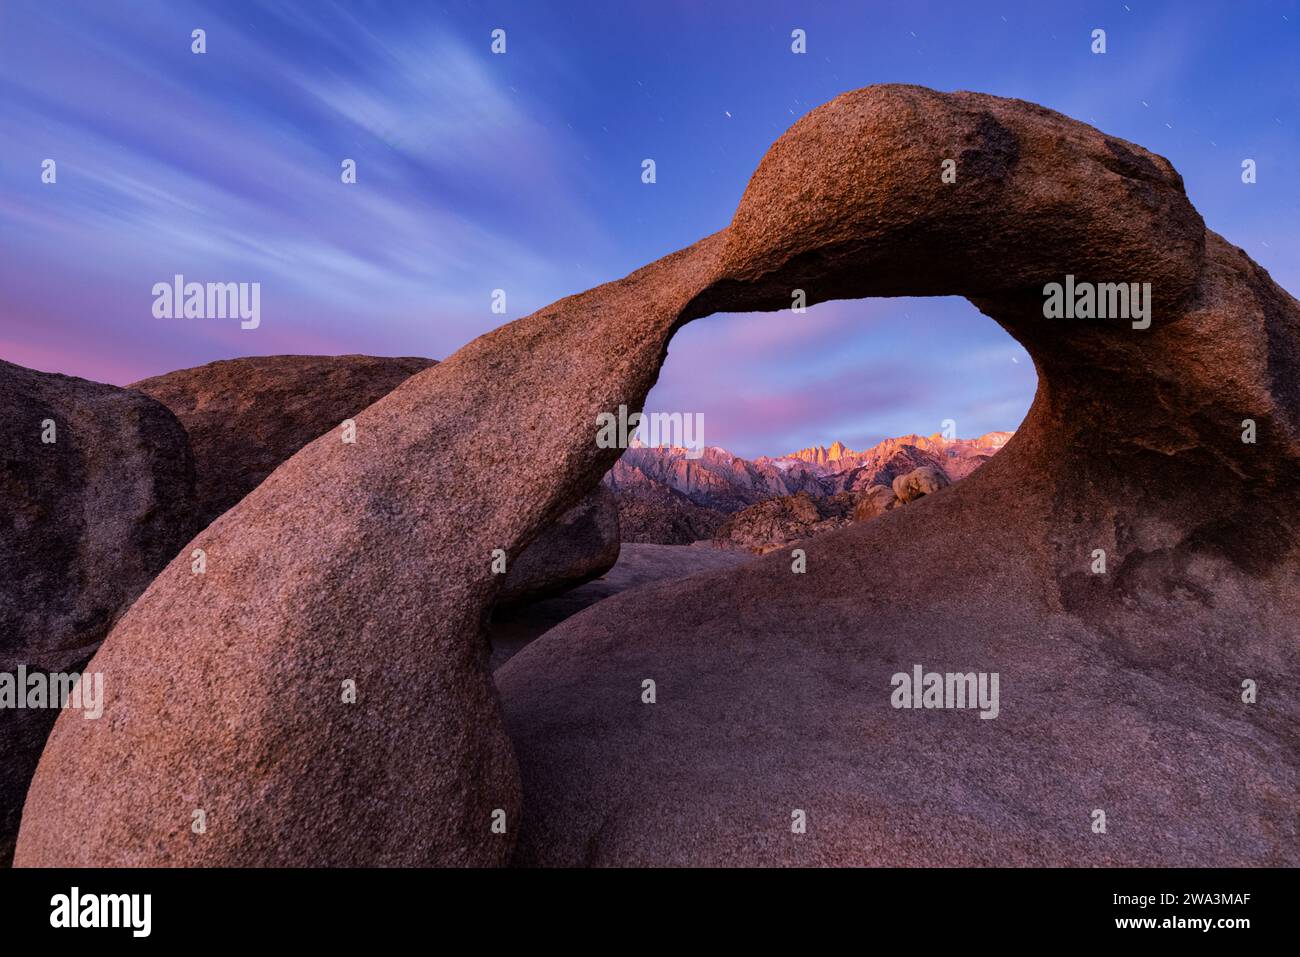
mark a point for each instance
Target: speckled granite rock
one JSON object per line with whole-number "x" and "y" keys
{"x": 246, "y": 416}
{"x": 86, "y": 521}
{"x": 1120, "y": 690}
{"x": 581, "y": 545}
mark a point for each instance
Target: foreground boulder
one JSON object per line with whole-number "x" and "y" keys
{"x": 97, "y": 495}
{"x": 314, "y": 696}
{"x": 923, "y": 481}
{"x": 1121, "y": 690}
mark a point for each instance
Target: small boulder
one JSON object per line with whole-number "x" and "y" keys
{"x": 876, "y": 500}
{"x": 919, "y": 482}
{"x": 582, "y": 545}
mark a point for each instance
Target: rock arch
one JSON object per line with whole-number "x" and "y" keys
{"x": 220, "y": 690}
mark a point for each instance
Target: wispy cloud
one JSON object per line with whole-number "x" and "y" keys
{"x": 522, "y": 172}
{"x": 160, "y": 176}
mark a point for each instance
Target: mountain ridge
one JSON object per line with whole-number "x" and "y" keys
{"x": 693, "y": 496}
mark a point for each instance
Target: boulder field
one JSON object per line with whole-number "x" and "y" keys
{"x": 1121, "y": 689}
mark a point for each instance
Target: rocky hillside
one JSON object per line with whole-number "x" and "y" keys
{"x": 772, "y": 524}
{"x": 668, "y": 498}
{"x": 844, "y": 469}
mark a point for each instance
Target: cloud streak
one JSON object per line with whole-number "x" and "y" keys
{"x": 522, "y": 172}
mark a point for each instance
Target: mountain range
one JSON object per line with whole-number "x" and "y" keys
{"x": 668, "y": 498}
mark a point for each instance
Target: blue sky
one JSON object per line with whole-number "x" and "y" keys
{"x": 522, "y": 172}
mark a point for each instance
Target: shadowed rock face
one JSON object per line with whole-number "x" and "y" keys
{"x": 1119, "y": 691}
{"x": 638, "y": 564}
{"x": 85, "y": 522}
{"x": 655, "y": 513}
{"x": 246, "y": 416}
{"x": 582, "y": 545}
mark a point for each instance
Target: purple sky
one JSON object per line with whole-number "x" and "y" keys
{"x": 522, "y": 172}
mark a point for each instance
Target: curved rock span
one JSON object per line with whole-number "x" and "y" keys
{"x": 1121, "y": 690}
{"x": 246, "y": 416}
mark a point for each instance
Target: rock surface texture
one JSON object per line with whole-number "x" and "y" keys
{"x": 778, "y": 522}
{"x": 715, "y": 479}
{"x": 581, "y": 545}
{"x": 638, "y": 564}
{"x": 1119, "y": 691}
{"x": 919, "y": 482}
{"x": 657, "y": 514}
{"x": 86, "y": 521}
{"x": 227, "y": 691}
{"x": 246, "y": 416}
{"x": 876, "y": 500}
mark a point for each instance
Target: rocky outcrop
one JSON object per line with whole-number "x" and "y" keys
{"x": 778, "y": 522}
{"x": 581, "y": 545}
{"x": 652, "y": 513}
{"x": 315, "y": 696}
{"x": 246, "y": 416}
{"x": 828, "y": 458}
{"x": 773, "y": 681}
{"x": 1114, "y": 686}
{"x": 97, "y": 494}
{"x": 876, "y": 500}
{"x": 919, "y": 482}
{"x": 886, "y": 462}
